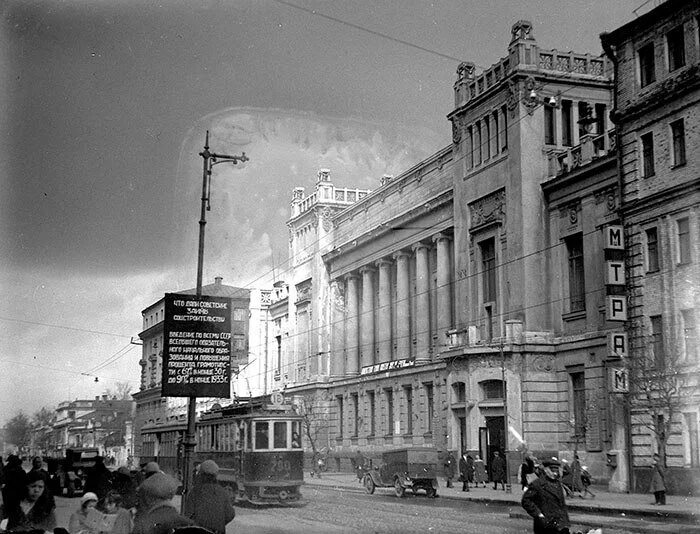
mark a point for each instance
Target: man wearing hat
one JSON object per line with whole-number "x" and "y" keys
{"x": 156, "y": 513}
{"x": 544, "y": 501}
{"x": 209, "y": 505}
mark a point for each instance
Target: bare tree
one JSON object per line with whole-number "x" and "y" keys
{"x": 313, "y": 408}
{"x": 660, "y": 389}
{"x": 122, "y": 391}
{"x": 18, "y": 430}
{"x": 42, "y": 420}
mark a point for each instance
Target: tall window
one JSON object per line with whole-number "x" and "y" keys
{"x": 678, "y": 140}
{"x": 578, "y": 390}
{"x": 657, "y": 341}
{"x": 549, "y": 126}
{"x": 477, "y": 143}
{"x": 496, "y": 134}
{"x": 647, "y": 154}
{"x": 356, "y": 413}
{"x": 577, "y": 285}
{"x": 389, "y": 395}
{"x": 676, "y": 48}
{"x": 683, "y": 241}
{"x": 486, "y": 139}
{"x": 470, "y": 147}
{"x": 372, "y": 412}
{"x": 408, "y": 398}
{"x": 652, "y": 250}
{"x": 689, "y": 335}
{"x": 584, "y": 111}
{"x": 429, "y": 401}
{"x": 567, "y": 132}
{"x": 600, "y": 118}
{"x": 504, "y": 130}
{"x": 488, "y": 268}
{"x": 647, "y": 72}
{"x": 492, "y": 389}
{"x": 339, "y": 402}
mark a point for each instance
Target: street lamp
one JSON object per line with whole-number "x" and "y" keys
{"x": 209, "y": 160}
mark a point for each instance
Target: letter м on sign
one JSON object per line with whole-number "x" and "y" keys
{"x": 619, "y": 380}
{"x": 616, "y": 308}
{"x": 614, "y": 237}
{"x": 614, "y": 273}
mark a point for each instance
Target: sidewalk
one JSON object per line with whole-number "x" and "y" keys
{"x": 681, "y": 514}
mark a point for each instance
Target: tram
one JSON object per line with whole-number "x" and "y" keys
{"x": 256, "y": 445}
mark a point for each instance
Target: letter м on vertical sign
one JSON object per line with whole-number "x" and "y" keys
{"x": 616, "y": 308}
{"x": 619, "y": 380}
{"x": 613, "y": 237}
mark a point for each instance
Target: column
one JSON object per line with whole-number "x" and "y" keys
{"x": 367, "y": 317}
{"x": 352, "y": 331}
{"x": 384, "y": 311}
{"x": 444, "y": 287}
{"x": 422, "y": 333}
{"x": 337, "y": 356}
{"x": 403, "y": 309}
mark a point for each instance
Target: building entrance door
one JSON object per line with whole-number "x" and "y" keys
{"x": 496, "y": 439}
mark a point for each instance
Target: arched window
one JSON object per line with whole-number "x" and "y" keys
{"x": 492, "y": 389}
{"x": 459, "y": 392}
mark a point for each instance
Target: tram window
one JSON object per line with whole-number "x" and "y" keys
{"x": 280, "y": 435}
{"x": 296, "y": 434}
{"x": 262, "y": 435}
{"x": 247, "y": 433}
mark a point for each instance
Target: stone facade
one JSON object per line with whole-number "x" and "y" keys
{"x": 657, "y": 94}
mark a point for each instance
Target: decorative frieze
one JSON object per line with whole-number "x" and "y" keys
{"x": 488, "y": 209}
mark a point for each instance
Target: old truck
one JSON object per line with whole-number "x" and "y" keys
{"x": 411, "y": 468}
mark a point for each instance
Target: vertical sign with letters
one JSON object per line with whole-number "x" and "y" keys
{"x": 196, "y": 346}
{"x": 617, "y": 344}
{"x": 616, "y": 309}
{"x": 614, "y": 239}
{"x": 619, "y": 380}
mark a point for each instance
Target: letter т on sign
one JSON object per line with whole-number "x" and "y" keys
{"x": 196, "y": 346}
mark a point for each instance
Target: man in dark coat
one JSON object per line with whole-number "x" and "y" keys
{"x": 210, "y": 506}
{"x": 99, "y": 479}
{"x": 125, "y": 486}
{"x": 15, "y": 482}
{"x": 498, "y": 470}
{"x": 449, "y": 469}
{"x": 544, "y": 500}
{"x": 465, "y": 470}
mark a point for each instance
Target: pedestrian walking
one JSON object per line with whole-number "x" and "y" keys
{"x": 78, "y": 523}
{"x": 210, "y": 505}
{"x": 576, "y": 482}
{"x": 479, "y": 471}
{"x": 151, "y": 468}
{"x": 498, "y": 470}
{"x": 658, "y": 481}
{"x": 33, "y": 509}
{"x": 156, "y": 513}
{"x": 544, "y": 500}
{"x": 15, "y": 482}
{"x": 449, "y": 469}
{"x": 99, "y": 479}
{"x": 466, "y": 470}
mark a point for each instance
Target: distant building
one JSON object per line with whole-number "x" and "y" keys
{"x": 160, "y": 422}
{"x": 103, "y": 423}
{"x": 657, "y": 112}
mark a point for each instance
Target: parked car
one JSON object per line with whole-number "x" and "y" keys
{"x": 412, "y": 468}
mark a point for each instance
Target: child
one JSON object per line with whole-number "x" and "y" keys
{"x": 113, "y": 506}
{"x": 78, "y": 523}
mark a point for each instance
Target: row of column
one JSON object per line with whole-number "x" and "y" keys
{"x": 353, "y": 324}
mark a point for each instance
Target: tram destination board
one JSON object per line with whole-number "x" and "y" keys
{"x": 196, "y": 346}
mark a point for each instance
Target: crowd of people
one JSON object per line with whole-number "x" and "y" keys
{"x": 114, "y": 501}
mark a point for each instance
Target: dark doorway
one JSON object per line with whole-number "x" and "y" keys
{"x": 494, "y": 427}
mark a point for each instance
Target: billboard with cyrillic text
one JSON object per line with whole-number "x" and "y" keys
{"x": 196, "y": 346}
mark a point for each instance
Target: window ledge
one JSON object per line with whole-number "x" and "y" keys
{"x": 678, "y": 165}
{"x": 574, "y": 316}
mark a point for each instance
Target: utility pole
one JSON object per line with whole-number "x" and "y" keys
{"x": 190, "y": 441}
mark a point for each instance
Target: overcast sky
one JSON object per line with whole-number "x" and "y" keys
{"x": 103, "y": 111}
